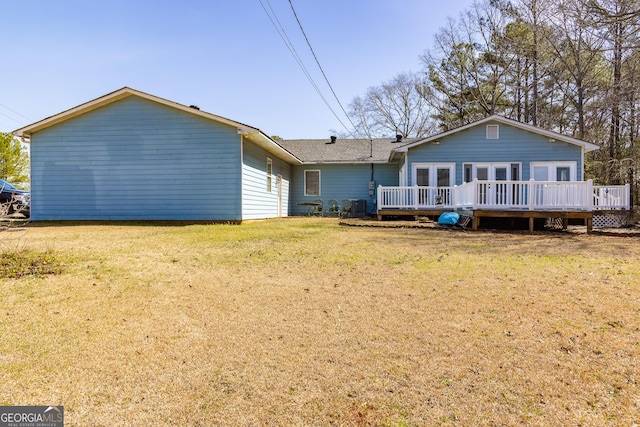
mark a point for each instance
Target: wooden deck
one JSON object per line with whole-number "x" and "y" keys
{"x": 532, "y": 196}
{"x": 477, "y": 215}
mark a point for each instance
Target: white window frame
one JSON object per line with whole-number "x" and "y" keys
{"x": 552, "y": 169}
{"x": 492, "y": 169}
{"x": 269, "y": 175}
{"x": 433, "y": 172}
{"x": 306, "y": 193}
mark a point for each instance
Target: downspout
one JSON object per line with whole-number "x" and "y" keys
{"x": 372, "y": 187}
{"x": 26, "y": 140}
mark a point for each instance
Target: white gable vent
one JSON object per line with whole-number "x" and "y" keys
{"x": 493, "y": 132}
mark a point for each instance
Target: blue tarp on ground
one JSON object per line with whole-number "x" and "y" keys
{"x": 449, "y": 218}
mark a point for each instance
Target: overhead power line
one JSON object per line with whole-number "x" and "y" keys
{"x": 273, "y": 17}
{"x": 320, "y": 66}
{"x": 10, "y": 118}
{"x": 15, "y": 112}
{"x": 285, "y": 38}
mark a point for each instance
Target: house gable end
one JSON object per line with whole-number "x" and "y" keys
{"x": 114, "y": 97}
{"x": 136, "y": 159}
{"x": 250, "y": 132}
{"x": 500, "y": 122}
{"x": 513, "y": 145}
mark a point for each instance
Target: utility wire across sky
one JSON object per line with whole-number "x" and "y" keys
{"x": 21, "y": 121}
{"x": 285, "y": 38}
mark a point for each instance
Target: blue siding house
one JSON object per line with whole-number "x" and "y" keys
{"x": 499, "y": 168}
{"x": 133, "y": 156}
{"x": 494, "y": 148}
{"x": 341, "y": 170}
{"x": 130, "y": 155}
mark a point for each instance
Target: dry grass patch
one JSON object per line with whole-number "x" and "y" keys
{"x": 304, "y": 322}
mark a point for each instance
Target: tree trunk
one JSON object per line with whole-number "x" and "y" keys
{"x": 534, "y": 104}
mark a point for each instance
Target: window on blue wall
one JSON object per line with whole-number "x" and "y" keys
{"x": 550, "y": 171}
{"x": 515, "y": 171}
{"x": 468, "y": 172}
{"x": 563, "y": 173}
{"x": 444, "y": 177}
{"x": 269, "y": 174}
{"x": 312, "y": 183}
{"x": 422, "y": 177}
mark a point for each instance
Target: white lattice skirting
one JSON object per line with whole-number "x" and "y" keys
{"x": 612, "y": 220}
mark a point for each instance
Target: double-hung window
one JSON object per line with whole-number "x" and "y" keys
{"x": 312, "y": 183}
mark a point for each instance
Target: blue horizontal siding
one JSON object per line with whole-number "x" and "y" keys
{"x": 514, "y": 145}
{"x": 136, "y": 159}
{"x": 340, "y": 182}
{"x": 257, "y": 202}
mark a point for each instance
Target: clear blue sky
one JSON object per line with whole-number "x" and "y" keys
{"x": 224, "y": 56}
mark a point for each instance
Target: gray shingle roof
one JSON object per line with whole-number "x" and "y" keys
{"x": 343, "y": 150}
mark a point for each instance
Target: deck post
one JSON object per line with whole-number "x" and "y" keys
{"x": 475, "y": 196}
{"x": 627, "y": 196}
{"x": 530, "y": 193}
{"x": 475, "y": 222}
{"x": 531, "y": 225}
{"x": 453, "y": 197}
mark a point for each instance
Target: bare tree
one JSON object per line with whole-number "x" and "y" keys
{"x": 362, "y": 117}
{"x": 396, "y": 106}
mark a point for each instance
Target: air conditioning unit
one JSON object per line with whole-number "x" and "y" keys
{"x": 358, "y": 208}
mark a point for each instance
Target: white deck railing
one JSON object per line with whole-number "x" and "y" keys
{"x": 505, "y": 195}
{"x": 611, "y": 197}
{"x": 415, "y": 197}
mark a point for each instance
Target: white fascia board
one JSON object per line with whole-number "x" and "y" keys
{"x": 263, "y": 141}
{"x": 26, "y": 131}
{"x": 115, "y": 96}
{"x": 534, "y": 129}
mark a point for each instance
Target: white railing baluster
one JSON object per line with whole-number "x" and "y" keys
{"x": 531, "y": 195}
{"x": 611, "y": 197}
